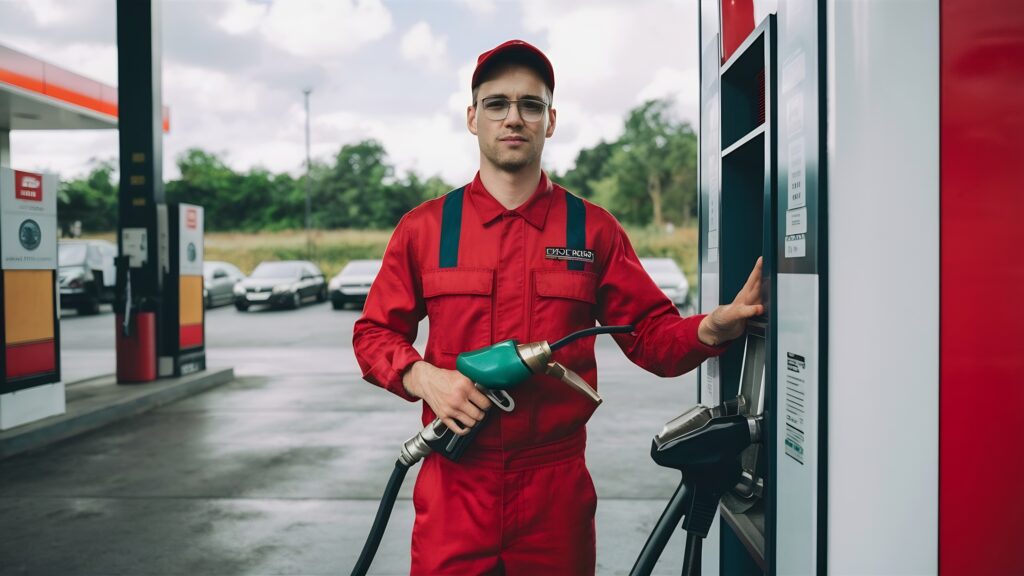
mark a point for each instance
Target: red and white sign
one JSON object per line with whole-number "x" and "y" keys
{"x": 191, "y": 218}
{"x": 28, "y": 186}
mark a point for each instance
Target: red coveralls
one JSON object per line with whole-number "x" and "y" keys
{"x": 520, "y": 501}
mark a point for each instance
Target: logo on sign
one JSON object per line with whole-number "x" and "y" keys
{"x": 30, "y": 235}
{"x": 191, "y": 252}
{"x": 191, "y": 218}
{"x": 28, "y": 186}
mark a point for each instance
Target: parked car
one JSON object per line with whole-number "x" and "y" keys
{"x": 219, "y": 279}
{"x": 667, "y": 275}
{"x": 284, "y": 284}
{"x": 86, "y": 275}
{"x": 353, "y": 283}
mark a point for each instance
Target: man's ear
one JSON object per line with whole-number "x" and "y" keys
{"x": 552, "y": 114}
{"x": 471, "y": 119}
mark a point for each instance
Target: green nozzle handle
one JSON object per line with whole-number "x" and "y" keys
{"x": 497, "y": 367}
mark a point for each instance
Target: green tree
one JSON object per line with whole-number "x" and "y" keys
{"x": 91, "y": 200}
{"x": 648, "y": 175}
{"x": 591, "y": 166}
{"x": 361, "y": 191}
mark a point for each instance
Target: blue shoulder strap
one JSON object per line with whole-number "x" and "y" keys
{"x": 575, "y": 227}
{"x": 451, "y": 228}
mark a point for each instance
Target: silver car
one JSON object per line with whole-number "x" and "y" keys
{"x": 219, "y": 279}
{"x": 353, "y": 283}
{"x": 667, "y": 275}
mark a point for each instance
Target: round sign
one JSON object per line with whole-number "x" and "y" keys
{"x": 30, "y": 235}
{"x": 191, "y": 252}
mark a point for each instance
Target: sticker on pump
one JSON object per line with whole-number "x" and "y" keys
{"x": 191, "y": 218}
{"x": 28, "y": 186}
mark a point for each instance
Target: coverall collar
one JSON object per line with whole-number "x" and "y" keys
{"x": 534, "y": 211}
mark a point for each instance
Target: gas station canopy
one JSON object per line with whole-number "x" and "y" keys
{"x": 35, "y": 95}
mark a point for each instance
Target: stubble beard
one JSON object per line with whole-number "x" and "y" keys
{"x": 512, "y": 161}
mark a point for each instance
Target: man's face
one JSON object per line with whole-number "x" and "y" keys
{"x": 514, "y": 143}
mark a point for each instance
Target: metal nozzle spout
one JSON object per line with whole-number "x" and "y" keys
{"x": 573, "y": 380}
{"x": 535, "y": 355}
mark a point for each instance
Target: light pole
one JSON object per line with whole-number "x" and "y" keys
{"x": 309, "y": 182}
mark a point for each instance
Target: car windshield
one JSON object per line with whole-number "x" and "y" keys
{"x": 72, "y": 254}
{"x": 362, "y": 267}
{"x": 278, "y": 270}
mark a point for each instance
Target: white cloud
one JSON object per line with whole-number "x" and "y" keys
{"x": 480, "y": 6}
{"x": 434, "y": 144}
{"x": 48, "y": 12}
{"x": 312, "y": 28}
{"x": 606, "y": 56}
{"x": 242, "y": 16}
{"x": 681, "y": 86}
{"x": 420, "y": 45}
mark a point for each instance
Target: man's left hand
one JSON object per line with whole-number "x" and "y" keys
{"x": 728, "y": 322}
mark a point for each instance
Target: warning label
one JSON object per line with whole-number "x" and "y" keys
{"x": 795, "y": 404}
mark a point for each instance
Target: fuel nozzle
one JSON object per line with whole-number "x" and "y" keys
{"x": 504, "y": 365}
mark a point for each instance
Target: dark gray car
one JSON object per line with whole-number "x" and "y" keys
{"x": 281, "y": 284}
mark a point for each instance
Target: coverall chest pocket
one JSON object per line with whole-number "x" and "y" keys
{"x": 563, "y": 302}
{"x": 459, "y": 309}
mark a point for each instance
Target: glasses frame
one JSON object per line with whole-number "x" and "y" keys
{"x": 482, "y": 102}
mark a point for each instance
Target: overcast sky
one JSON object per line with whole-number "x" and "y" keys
{"x": 397, "y": 71}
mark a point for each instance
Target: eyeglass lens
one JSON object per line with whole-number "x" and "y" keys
{"x": 529, "y": 110}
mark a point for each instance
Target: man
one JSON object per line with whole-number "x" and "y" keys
{"x": 513, "y": 255}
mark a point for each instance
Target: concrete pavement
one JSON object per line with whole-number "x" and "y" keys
{"x": 280, "y": 470}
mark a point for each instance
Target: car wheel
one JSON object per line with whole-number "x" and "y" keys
{"x": 337, "y": 304}
{"x": 208, "y": 301}
{"x": 241, "y": 306}
{"x": 296, "y": 301}
{"x": 89, "y": 308}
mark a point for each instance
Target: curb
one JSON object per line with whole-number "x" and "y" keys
{"x": 97, "y": 402}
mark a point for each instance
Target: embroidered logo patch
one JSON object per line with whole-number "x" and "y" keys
{"x": 569, "y": 254}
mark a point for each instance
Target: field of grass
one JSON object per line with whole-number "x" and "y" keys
{"x": 332, "y": 249}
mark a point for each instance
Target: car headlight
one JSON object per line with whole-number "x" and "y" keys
{"x": 282, "y": 288}
{"x": 334, "y": 284}
{"x": 239, "y": 290}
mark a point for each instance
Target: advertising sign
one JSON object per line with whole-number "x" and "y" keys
{"x": 190, "y": 240}
{"x": 28, "y": 231}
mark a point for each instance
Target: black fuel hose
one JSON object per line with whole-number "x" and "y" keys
{"x": 590, "y": 332}
{"x": 380, "y": 523}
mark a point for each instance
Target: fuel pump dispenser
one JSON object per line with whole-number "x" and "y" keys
{"x": 30, "y": 387}
{"x": 495, "y": 370}
{"x": 182, "y": 347}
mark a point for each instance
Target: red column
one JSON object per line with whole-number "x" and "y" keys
{"x": 982, "y": 291}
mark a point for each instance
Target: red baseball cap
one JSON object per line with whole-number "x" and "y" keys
{"x": 531, "y": 55}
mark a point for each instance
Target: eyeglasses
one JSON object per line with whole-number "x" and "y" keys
{"x": 497, "y": 107}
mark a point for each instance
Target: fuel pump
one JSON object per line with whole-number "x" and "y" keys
{"x": 495, "y": 370}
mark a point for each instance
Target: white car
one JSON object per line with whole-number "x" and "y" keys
{"x": 667, "y": 275}
{"x": 353, "y": 283}
{"x": 86, "y": 274}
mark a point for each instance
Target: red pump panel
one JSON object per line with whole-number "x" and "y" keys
{"x": 737, "y": 24}
{"x": 982, "y": 291}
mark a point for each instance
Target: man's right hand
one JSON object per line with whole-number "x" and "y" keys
{"x": 453, "y": 397}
